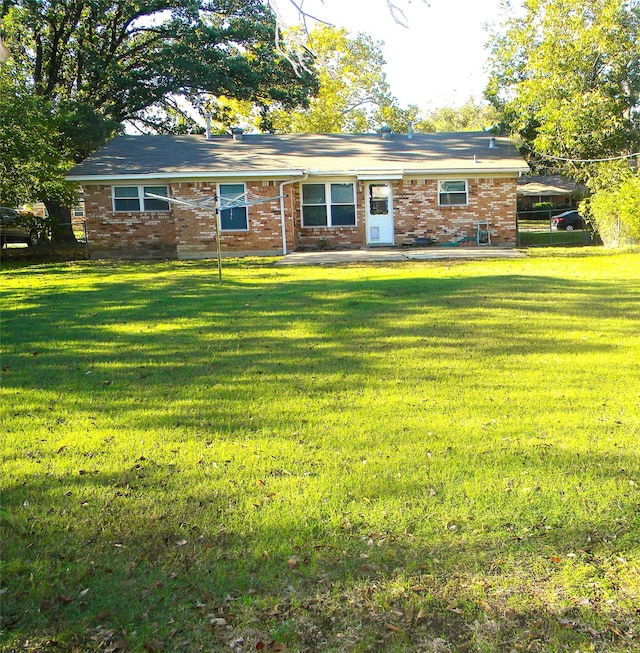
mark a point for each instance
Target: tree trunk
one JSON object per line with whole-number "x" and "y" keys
{"x": 60, "y": 222}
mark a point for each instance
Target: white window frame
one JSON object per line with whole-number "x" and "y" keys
{"x": 465, "y": 192}
{"x": 329, "y": 204}
{"x": 140, "y": 198}
{"x": 246, "y": 208}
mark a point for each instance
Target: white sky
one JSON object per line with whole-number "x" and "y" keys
{"x": 437, "y": 61}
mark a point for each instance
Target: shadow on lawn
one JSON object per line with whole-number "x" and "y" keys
{"x": 187, "y": 360}
{"x": 130, "y": 553}
{"x": 111, "y": 347}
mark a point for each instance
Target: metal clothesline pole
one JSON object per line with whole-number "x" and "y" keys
{"x": 218, "y": 250}
{"x": 212, "y": 203}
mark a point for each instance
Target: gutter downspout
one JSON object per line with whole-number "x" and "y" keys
{"x": 282, "y": 218}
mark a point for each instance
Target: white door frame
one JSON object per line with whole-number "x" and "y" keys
{"x": 379, "y": 227}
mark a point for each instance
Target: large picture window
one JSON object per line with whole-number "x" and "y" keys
{"x": 235, "y": 218}
{"x": 453, "y": 193}
{"x": 328, "y": 205}
{"x": 133, "y": 198}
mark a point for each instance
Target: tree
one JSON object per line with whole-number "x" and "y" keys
{"x": 99, "y": 63}
{"x": 33, "y": 156}
{"x": 566, "y": 79}
{"x": 353, "y": 94}
{"x": 616, "y": 212}
{"x": 471, "y": 116}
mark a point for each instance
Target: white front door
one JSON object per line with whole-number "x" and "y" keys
{"x": 379, "y": 208}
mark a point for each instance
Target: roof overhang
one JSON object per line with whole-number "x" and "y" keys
{"x": 361, "y": 175}
{"x": 533, "y": 190}
{"x": 186, "y": 176}
{"x": 467, "y": 171}
{"x": 401, "y": 173}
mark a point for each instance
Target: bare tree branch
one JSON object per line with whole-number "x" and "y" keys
{"x": 296, "y": 56}
{"x": 397, "y": 13}
{"x": 394, "y": 6}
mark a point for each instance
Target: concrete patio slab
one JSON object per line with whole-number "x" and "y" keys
{"x": 390, "y": 254}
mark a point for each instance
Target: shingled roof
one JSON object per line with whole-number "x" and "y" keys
{"x": 263, "y": 155}
{"x": 549, "y": 185}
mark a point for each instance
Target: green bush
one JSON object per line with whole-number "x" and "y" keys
{"x": 616, "y": 213}
{"x": 543, "y": 206}
{"x": 31, "y": 221}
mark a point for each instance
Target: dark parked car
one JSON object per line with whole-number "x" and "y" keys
{"x": 19, "y": 227}
{"x": 568, "y": 221}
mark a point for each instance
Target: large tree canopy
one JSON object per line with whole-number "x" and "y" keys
{"x": 566, "y": 77}
{"x": 33, "y": 152}
{"x": 471, "y": 116}
{"x": 98, "y": 63}
{"x": 353, "y": 94}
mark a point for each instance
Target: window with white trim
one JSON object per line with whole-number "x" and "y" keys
{"x": 328, "y": 205}
{"x": 453, "y": 192}
{"x": 235, "y": 218}
{"x": 133, "y": 198}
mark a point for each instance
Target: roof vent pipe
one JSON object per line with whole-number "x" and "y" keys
{"x": 385, "y": 131}
{"x": 237, "y": 132}
{"x": 207, "y": 133}
{"x": 492, "y": 143}
{"x": 410, "y": 131}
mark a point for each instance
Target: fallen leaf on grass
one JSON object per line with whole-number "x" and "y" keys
{"x": 408, "y": 615}
{"x": 393, "y": 628}
{"x": 293, "y": 562}
{"x": 271, "y": 646}
{"x": 217, "y": 621}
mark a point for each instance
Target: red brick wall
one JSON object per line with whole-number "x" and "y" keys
{"x": 126, "y": 234}
{"x": 181, "y": 232}
{"x": 417, "y": 214}
{"x": 195, "y": 229}
{"x": 186, "y": 233}
{"x": 326, "y": 237}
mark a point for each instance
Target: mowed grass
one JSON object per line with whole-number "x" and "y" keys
{"x": 417, "y": 457}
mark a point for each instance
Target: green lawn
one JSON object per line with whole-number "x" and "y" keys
{"x": 420, "y": 457}
{"x": 528, "y": 237}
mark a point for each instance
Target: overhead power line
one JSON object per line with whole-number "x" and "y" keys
{"x": 568, "y": 160}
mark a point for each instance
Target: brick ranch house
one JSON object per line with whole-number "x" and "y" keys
{"x": 334, "y": 190}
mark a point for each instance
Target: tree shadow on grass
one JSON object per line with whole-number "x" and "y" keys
{"x": 136, "y": 550}
{"x": 202, "y": 357}
{"x": 234, "y": 524}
